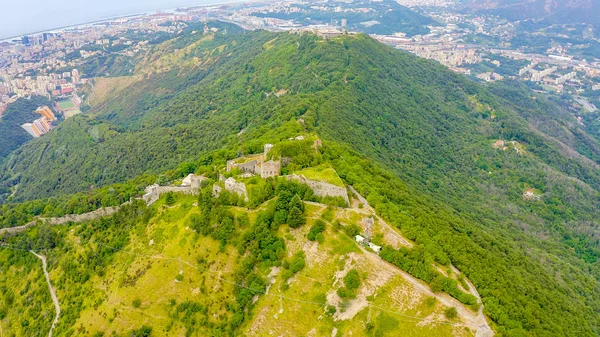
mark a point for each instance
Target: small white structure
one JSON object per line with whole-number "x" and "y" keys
{"x": 216, "y": 191}
{"x": 192, "y": 180}
{"x": 375, "y": 247}
{"x": 359, "y": 239}
{"x": 187, "y": 181}
{"x": 267, "y": 148}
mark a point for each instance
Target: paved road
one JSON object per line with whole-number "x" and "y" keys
{"x": 52, "y": 293}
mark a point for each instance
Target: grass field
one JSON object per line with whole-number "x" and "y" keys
{"x": 326, "y": 264}
{"x": 66, "y": 104}
{"x": 166, "y": 265}
{"x": 323, "y": 173}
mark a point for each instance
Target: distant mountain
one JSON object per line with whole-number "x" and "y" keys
{"x": 542, "y": 11}
{"x": 494, "y": 180}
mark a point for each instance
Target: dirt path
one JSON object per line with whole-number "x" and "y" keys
{"x": 395, "y": 236}
{"x": 475, "y": 321}
{"x": 52, "y": 293}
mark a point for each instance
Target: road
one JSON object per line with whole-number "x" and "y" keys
{"x": 52, "y": 292}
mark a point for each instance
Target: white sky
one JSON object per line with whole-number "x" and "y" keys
{"x": 18, "y": 17}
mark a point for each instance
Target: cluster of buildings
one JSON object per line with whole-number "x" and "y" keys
{"x": 47, "y": 64}
{"x": 41, "y": 125}
{"x": 490, "y": 77}
{"x": 449, "y": 55}
{"x": 537, "y": 76}
{"x": 257, "y": 165}
{"x": 551, "y": 77}
{"x": 55, "y": 84}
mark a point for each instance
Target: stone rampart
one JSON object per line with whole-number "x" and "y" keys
{"x": 99, "y": 213}
{"x": 321, "y": 188}
{"x": 153, "y": 193}
{"x": 236, "y": 187}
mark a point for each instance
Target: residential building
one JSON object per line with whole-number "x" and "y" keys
{"x": 31, "y": 129}
{"x": 46, "y": 112}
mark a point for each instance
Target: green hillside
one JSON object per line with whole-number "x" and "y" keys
{"x": 200, "y": 266}
{"x": 418, "y": 141}
{"x": 11, "y": 134}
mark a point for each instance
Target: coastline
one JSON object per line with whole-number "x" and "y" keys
{"x": 209, "y": 3}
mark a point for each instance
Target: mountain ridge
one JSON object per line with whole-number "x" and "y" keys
{"x": 415, "y": 139}
{"x": 546, "y": 12}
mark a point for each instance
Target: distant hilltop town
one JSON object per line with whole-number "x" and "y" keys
{"x": 41, "y": 125}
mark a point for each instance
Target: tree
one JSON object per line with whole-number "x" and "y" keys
{"x": 296, "y": 218}
{"x": 296, "y": 202}
{"x": 144, "y": 331}
{"x": 170, "y": 198}
{"x": 451, "y": 313}
{"x": 352, "y": 279}
{"x": 316, "y": 231}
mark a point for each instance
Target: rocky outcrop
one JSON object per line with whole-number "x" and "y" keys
{"x": 321, "y": 188}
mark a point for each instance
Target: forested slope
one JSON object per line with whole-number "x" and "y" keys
{"x": 11, "y": 134}
{"x": 414, "y": 138}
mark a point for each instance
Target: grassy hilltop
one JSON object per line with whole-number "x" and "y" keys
{"x": 448, "y": 163}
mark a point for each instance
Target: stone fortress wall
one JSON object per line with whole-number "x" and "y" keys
{"x": 99, "y": 213}
{"x": 321, "y": 188}
{"x": 236, "y": 187}
{"x": 190, "y": 186}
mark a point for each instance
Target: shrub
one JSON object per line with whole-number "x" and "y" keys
{"x": 451, "y": 313}
{"x": 352, "y": 279}
{"x": 315, "y": 230}
{"x": 144, "y": 331}
{"x": 170, "y": 198}
{"x": 352, "y": 230}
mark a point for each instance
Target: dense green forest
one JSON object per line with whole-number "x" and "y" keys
{"x": 411, "y": 136}
{"x": 22, "y": 111}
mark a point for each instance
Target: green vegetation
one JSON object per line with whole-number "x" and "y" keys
{"x": 316, "y": 231}
{"x": 451, "y": 313}
{"x": 11, "y": 134}
{"x": 404, "y": 132}
{"x": 66, "y": 104}
{"x": 296, "y": 264}
{"x": 351, "y": 284}
{"x": 324, "y": 173}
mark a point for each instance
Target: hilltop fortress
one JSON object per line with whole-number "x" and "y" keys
{"x": 257, "y": 164}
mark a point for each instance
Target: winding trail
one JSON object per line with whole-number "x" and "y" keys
{"x": 475, "y": 321}
{"x": 52, "y": 292}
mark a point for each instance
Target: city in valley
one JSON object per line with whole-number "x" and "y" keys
{"x": 58, "y": 64}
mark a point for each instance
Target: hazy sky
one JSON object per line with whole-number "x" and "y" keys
{"x": 18, "y": 17}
